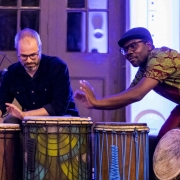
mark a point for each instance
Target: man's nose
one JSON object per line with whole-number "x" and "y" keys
{"x": 28, "y": 59}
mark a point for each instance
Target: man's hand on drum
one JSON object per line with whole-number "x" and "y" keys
{"x": 86, "y": 96}
{"x": 1, "y": 120}
{"x": 14, "y": 111}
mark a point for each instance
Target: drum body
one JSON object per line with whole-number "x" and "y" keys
{"x": 166, "y": 159}
{"x": 10, "y": 152}
{"x": 121, "y": 151}
{"x": 57, "y": 148}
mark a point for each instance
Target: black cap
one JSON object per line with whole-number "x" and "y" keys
{"x": 135, "y": 33}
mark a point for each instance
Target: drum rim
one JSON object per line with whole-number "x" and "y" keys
{"x": 121, "y": 123}
{"x": 120, "y": 126}
{"x": 56, "y": 120}
{"x": 9, "y": 127}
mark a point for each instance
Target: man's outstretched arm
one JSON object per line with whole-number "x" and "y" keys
{"x": 88, "y": 98}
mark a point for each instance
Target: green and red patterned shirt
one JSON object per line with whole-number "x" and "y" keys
{"x": 164, "y": 65}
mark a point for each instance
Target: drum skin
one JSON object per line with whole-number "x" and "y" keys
{"x": 166, "y": 159}
{"x": 10, "y": 152}
{"x": 131, "y": 141}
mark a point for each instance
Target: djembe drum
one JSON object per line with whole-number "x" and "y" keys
{"x": 166, "y": 159}
{"x": 10, "y": 152}
{"x": 57, "y": 148}
{"x": 121, "y": 151}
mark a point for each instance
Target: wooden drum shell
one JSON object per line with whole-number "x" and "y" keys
{"x": 10, "y": 152}
{"x": 131, "y": 139}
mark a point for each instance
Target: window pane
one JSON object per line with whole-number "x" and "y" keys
{"x": 76, "y": 31}
{"x": 34, "y": 3}
{"x": 8, "y": 21}
{"x": 98, "y": 32}
{"x": 98, "y": 4}
{"x": 76, "y": 3}
{"x": 30, "y": 19}
{"x": 8, "y": 2}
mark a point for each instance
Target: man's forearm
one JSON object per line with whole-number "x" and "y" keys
{"x": 1, "y": 119}
{"x": 37, "y": 112}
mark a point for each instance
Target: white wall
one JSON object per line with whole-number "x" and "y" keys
{"x": 161, "y": 18}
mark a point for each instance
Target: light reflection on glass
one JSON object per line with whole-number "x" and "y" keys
{"x": 98, "y": 4}
{"x": 98, "y": 33}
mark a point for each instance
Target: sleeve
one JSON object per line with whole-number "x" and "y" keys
{"x": 162, "y": 63}
{"x": 5, "y": 94}
{"x": 61, "y": 90}
{"x": 137, "y": 78}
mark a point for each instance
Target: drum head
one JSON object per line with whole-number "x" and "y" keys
{"x": 57, "y": 120}
{"x": 120, "y": 126}
{"x": 166, "y": 159}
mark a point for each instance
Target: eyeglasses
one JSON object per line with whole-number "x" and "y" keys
{"x": 132, "y": 47}
{"x": 32, "y": 56}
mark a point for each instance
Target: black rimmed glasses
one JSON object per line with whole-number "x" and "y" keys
{"x": 132, "y": 47}
{"x": 32, "y": 56}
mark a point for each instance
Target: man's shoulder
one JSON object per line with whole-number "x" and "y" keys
{"x": 14, "y": 66}
{"x": 52, "y": 60}
{"x": 163, "y": 51}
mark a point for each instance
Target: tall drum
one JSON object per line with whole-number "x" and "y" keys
{"x": 57, "y": 148}
{"x": 10, "y": 152}
{"x": 121, "y": 151}
{"x": 166, "y": 159}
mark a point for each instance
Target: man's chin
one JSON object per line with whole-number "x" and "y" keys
{"x": 31, "y": 68}
{"x": 135, "y": 65}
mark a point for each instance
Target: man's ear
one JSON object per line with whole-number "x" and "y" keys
{"x": 150, "y": 45}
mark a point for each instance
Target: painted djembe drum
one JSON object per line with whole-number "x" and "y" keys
{"x": 121, "y": 151}
{"x": 166, "y": 159}
{"x": 57, "y": 148}
{"x": 10, "y": 152}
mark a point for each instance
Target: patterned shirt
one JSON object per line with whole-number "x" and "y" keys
{"x": 164, "y": 65}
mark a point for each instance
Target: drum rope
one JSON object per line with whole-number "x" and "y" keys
{"x": 30, "y": 143}
{"x": 4, "y": 159}
{"x": 107, "y": 151}
{"x": 144, "y": 151}
{"x": 100, "y": 154}
{"x": 114, "y": 169}
{"x": 95, "y": 150}
{"x": 130, "y": 158}
{"x": 136, "y": 150}
{"x": 139, "y": 152}
{"x": 123, "y": 145}
{"x": 146, "y": 159}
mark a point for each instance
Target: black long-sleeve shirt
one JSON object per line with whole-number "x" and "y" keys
{"x": 49, "y": 88}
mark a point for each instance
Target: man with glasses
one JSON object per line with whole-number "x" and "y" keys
{"x": 39, "y": 83}
{"x": 159, "y": 70}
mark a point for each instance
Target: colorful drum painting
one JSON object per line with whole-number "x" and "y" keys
{"x": 57, "y": 148}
